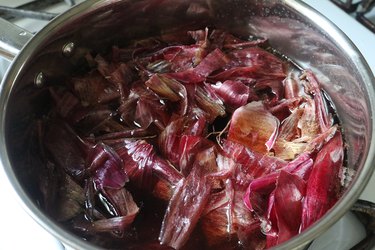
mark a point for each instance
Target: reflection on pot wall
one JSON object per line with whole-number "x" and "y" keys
{"x": 336, "y": 66}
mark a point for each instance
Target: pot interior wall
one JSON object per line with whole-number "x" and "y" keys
{"x": 105, "y": 23}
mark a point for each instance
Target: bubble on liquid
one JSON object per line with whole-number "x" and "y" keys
{"x": 265, "y": 226}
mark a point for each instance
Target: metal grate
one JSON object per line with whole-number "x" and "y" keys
{"x": 360, "y": 9}
{"x": 32, "y": 10}
{"x": 348, "y": 5}
{"x": 366, "y": 15}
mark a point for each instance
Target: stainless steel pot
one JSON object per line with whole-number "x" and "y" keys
{"x": 292, "y": 28}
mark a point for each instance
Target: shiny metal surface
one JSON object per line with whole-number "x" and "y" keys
{"x": 27, "y": 13}
{"x": 12, "y": 39}
{"x": 292, "y": 28}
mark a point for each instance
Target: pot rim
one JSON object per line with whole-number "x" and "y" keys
{"x": 336, "y": 212}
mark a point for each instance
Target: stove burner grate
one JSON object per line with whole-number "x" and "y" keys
{"x": 32, "y": 10}
{"x": 360, "y": 9}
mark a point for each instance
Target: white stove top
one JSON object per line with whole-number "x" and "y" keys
{"x": 18, "y": 231}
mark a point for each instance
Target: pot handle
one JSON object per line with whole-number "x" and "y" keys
{"x": 12, "y": 39}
